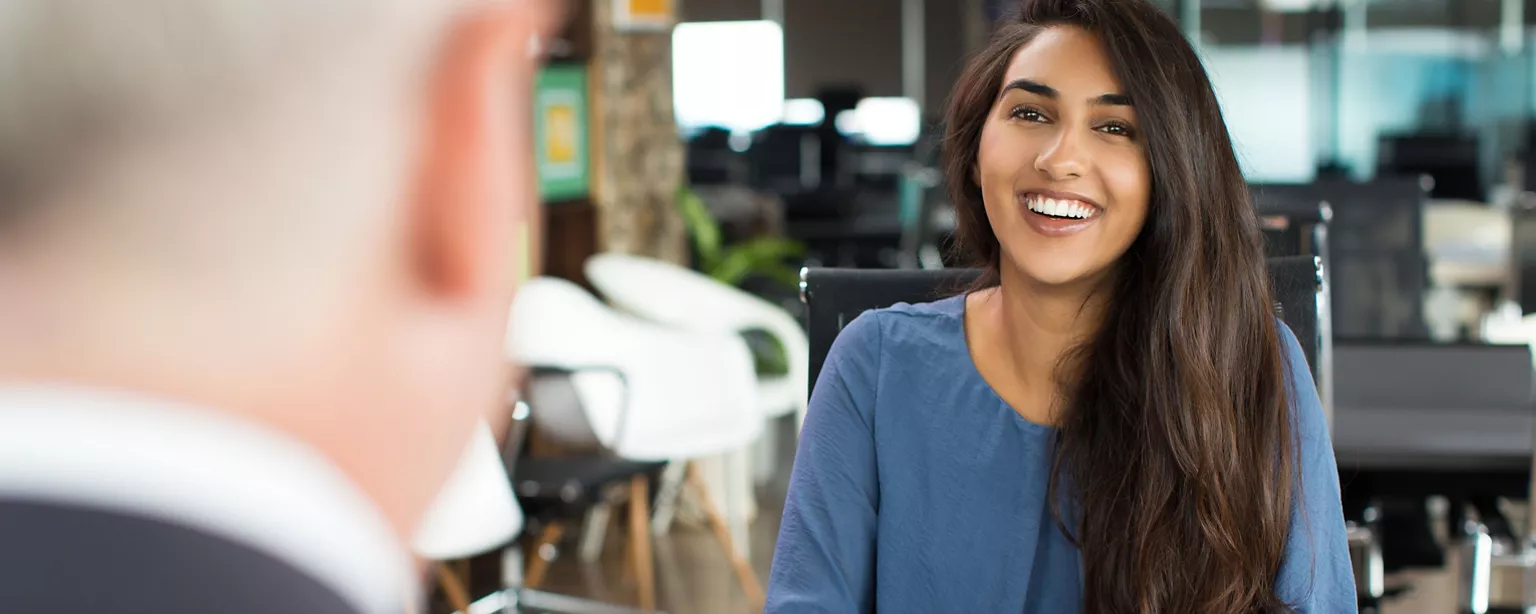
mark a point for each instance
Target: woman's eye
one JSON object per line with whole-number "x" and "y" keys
{"x": 1026, "y": 114}
{"x": 1117, "y": 129}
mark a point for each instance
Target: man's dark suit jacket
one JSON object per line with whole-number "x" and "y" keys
{"x": 61, "y": 558}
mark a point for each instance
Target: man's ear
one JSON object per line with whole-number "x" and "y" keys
{"x": 474, "y": 176}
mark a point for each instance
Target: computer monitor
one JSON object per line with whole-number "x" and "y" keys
{"x": 1449, "y": 159}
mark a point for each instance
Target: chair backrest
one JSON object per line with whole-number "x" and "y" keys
{"x": 646, "y": 391}
{"x": 1294, "y": 228}
{"x": 685, "y": 299}
{"x": 1376, "y": 266}
{"x": 834, "y": 297}
{"x": 1297, "y": 283}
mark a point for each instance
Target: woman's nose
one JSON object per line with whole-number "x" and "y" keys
{"x": 1063, "y": 158}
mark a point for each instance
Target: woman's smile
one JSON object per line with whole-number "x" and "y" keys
{"x": 1058, "y": 214}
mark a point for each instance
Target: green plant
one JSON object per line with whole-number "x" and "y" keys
{"x": 762, "y": 256}
{"x": 767, "y": 257}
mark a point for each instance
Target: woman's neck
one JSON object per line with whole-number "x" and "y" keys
{"x": 1037, "y": 324}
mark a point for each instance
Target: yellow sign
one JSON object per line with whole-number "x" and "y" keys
{"x": 650, "y": 7}
{"x": 560, "y": 133}
{"x": 642, "y": 14}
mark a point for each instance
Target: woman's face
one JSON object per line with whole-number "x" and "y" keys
{"x": 1062, "y": 165}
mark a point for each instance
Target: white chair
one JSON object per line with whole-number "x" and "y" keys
{"x": 646, "y": 392}
{"x": 474, "y": 513}
{"x": 687, "y": 300}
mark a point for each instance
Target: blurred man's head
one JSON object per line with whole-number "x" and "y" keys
{"x": 301, "y": 211}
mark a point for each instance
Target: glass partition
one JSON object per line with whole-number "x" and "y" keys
{"x": 1354, "y": 87}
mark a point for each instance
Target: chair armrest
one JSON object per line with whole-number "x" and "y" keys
{"x": 624, "y": 400}
{"x": 579, "y": 404}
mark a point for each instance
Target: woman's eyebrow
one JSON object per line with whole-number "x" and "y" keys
{"x": 1035, "y": 87}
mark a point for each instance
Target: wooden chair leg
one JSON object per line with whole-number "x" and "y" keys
{"x": 538, "y": 566}
{"x": 640, "y": 540}
{"x": 744, "y": 574}
{"x": 461, "y": 569}
{"x": 453, "y": 588}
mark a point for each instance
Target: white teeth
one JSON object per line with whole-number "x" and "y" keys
{"x": 1059, "y": 208}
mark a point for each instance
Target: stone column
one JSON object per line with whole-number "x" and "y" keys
{"x": 638, "y": 157}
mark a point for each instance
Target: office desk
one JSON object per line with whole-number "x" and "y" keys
{"x": 1434, "y": 418}
{"x": 1441, "y": 439}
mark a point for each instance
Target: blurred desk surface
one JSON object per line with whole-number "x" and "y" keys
{"x": 1442, "y": 439}
{"x": 1455, "y": 407}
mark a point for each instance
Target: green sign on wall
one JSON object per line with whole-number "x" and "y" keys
{"x": 560, "y": 131}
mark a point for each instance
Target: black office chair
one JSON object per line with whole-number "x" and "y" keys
{"x": 1293, "y": 227}
{"x": 557, "y": 492}
{"x": 834, "y": 297}
{"x": 1376, "y": 266}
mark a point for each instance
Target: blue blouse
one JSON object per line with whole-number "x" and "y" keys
{"x": 917, "y": 489}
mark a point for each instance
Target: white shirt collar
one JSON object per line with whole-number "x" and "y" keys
{"x": 209, "y": 471}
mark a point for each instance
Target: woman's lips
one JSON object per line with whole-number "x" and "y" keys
{"x": 1053, "y": 216}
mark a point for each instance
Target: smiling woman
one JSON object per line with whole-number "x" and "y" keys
{"x": 1111, "y": 420}
{"x": 1063, "y": 110}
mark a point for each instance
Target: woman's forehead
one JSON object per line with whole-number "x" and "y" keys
{"x": 1066, "y": 58}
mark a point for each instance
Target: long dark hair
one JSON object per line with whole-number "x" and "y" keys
{"x": 1174, "y": 455}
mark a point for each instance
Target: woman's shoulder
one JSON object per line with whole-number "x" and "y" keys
{"x": 939, "y": 311}
{"x": 1301, "y": 390}
{"x": 894, "y": 335}
{"x": 901, "y": 324}
{"x": 892, "y": 349}
{"x": 1294, "y": 357}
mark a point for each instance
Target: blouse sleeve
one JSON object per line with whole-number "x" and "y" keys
{"x": 1316, "y": 575}
{"x": 825, "y": 555}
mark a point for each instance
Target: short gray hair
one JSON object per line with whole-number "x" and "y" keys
{"x": 76, "y": 70}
